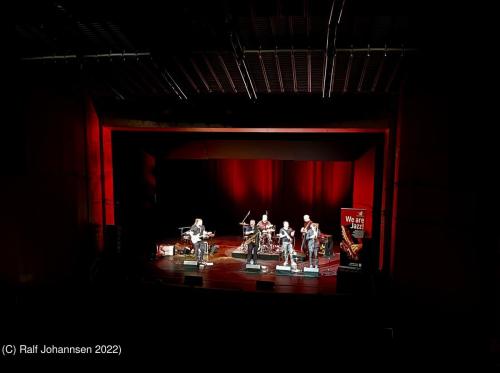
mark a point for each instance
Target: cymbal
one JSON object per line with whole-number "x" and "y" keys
{"x": 243, "y": 224}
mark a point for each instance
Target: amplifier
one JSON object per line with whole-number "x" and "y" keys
{"x": 166, "y": 250}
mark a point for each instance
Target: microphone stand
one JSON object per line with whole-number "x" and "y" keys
{"x": 246, "y": 216}
{"x": 243, "y": 225}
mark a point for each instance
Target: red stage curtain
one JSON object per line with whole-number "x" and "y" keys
{"x": 285, "y": 188}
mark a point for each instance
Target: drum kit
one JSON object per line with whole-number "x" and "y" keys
{"x": 267, "y": 241}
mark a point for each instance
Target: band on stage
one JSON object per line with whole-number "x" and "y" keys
{"x": 258, "y": 237}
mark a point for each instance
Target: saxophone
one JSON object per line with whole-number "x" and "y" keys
{"x": 252, "y": 238}
{"x": 349, "y": 246}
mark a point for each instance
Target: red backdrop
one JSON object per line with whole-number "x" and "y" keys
{"x": 228, "y": 188}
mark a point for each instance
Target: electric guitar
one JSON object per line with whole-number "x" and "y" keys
{"x": 198, "y": 237}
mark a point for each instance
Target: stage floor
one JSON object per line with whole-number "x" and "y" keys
{"x": 228, "y": 271}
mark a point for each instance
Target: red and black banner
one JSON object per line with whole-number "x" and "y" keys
{"x": 352, "y": 226}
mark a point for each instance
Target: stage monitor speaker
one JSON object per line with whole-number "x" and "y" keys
{"x": 283, "y": 270}
{"x": 190, "y": 265}
{"x": 264, "y": 285}
{"x": 311, "y": 272}
{"x": 193, "y": 280}
{"x": 253, "y": 267}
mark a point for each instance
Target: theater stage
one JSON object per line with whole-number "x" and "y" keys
{"x": 228, "y": 271}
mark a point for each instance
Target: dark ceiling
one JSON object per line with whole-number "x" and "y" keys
{"x": 153, "y": 54}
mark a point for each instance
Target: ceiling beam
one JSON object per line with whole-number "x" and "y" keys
{"x": 175, "y": 84}
{"x": 164, "y": 77}
{"x": 167, "y": 77}
{"x": 278, "y": 69}
{"x": 328, "y": 50}
{"x": 200, "y": 75}
{"x": 323, "y": 78}
{"x": 393, "y": 75}
{"x": 331, "y": 40}
{"x": 242, "y": 77}
{"x": 309, "y": 78}
{"x": 305, "y": 50}
{"x": 84, "y": 56}
{"x": 212, "y": 72}
{"x": 239, "y": 57}
{"x": 294, "y": 71}
{"x": 101, "y": 79}
{"x": 154, "y": 75}
{"x": 332, "y": 75}
{"x": 226, "y": 71}
{"x": 363, "y": 72}
{"x": 55, "y": 57}
{"x": 379, "y": 73}
{"x": 348, "y": 72}
{"x": 264, "y": 73}
{"x": 186, "y": 74}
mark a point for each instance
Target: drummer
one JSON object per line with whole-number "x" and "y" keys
{"x": 266, "y": 228}
{"x": 265, "y": 225}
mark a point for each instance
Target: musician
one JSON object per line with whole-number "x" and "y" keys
{"x": 312, "y": 235}
{"x": 198, "y": 229}
{"x": 264, "y": 224}
{"x": 303, "y": 230}
{"x": 265, "y": 228}
{"x": 251, "y": 231}
{"x": 286, "y": 235}
{"x": 310, "y": 231}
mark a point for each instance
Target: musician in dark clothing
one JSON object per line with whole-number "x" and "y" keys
{"x": 303, "y": 230}
{"x": 197, "y": 231}
{"x": 251, "y": 238}
{"x": 286, "y": 235}
{"x": 312, "y": 235}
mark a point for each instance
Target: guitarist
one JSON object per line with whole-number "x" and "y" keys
{"x": 286, "y": 233}
{"x": 197, "y": 233}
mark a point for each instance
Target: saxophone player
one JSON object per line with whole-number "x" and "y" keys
{"x": 250, "y": 233}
